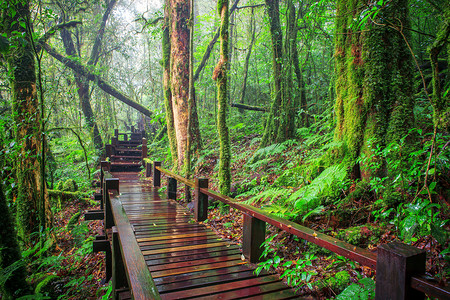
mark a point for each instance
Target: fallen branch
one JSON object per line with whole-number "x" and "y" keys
{"x": 248, "y": 107}
{"x": 101, "y": 83}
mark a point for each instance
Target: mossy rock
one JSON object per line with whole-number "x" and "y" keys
{"x": 70, "y": 186}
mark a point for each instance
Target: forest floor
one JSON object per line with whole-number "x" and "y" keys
{"x": 320, "y": 274}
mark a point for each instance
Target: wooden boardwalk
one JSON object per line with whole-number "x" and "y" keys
{"x": 186, "y": 259}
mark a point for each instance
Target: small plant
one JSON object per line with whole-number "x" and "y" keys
{"x": 297, "y": 273}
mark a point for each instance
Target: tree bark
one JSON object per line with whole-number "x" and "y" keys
{"x": 248, "y": 107}
{"x": 166, "y": 49}
{"x": 211, "y": 44}
{"x": 16, "y": 284}
{"x": 247, "y": 57}
{"x": 27, "y": 117}
{"x": 220, "y": 74}
{"x": 101, "y": 83}
{"x": 374, "y": 103}
{"x": 179, "y": 75}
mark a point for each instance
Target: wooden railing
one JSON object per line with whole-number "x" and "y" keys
{"x": 400, "y": 268}
{"x": 125, "y": 264}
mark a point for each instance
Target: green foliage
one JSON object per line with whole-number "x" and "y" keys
{"x": 296, "y": 272}
{"x": 361, "y": 236}
{"x": 69, "y": 185}
{"x": 363, "y": 290}
{"x": 73, "y": 221}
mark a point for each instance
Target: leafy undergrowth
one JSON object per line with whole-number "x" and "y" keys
{"x": 287, "y": 180}
{"x": 70, "y": 270}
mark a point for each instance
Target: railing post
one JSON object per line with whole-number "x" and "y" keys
{"x": 201, "y": 200}
{"x": 116, "y": 133}
{"x": 114, "y": 141}
{"x": 108, "y": 150}
{"x": 144, "y": 149}
{"x": 132, "y": 129}
{"x": 156, "y": 174}
{"x": 396, "y": 264}
{"x": 172, "y": 188}
{"x": 148, "y": 169}
{"x": 125, "y": 137}
{"x": 119, "y": 280}
{"x": 110, "y": 184}
{"x": 253, "y": 236}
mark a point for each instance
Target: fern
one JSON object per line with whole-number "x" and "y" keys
{"x": 272, "y": 194}
{"x": 308, "y": 197}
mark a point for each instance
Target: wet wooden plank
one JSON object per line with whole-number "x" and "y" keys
{"x": 175, "y": 236}
{"x": 175, "y": 240}
{"x": 193, "y": 282}
{"x": 198, "y": 256}
{"x": 168, "y": 250}
{"x": 241, "y": 288}
{"x": 190, "y": 263}
{"x": 239, "y": 294}
{"x": 191, "y": 269}
{"x": 175, "y": 245}
{"x": 190, "y": 252}
{"x": 200, "y": 274}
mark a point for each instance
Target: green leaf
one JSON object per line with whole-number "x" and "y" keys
{"x": 439, "y": 234}
{"x": 4, "y": 44}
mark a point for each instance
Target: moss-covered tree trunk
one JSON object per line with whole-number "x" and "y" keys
{"x": 220, "y": 75}
{"x": 280, "y": 124}
{"x": 179, "y": 73}
{"x": 374, "y": 88}
{"x": 273, "y": 120}
{"x": 166, "y": 84}
{"x": 26, "y": 114}
{"x": 441, "y": 92}
{"x": 16, "y": 284}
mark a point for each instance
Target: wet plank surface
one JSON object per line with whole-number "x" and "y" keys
{"x": 186, "y": 259}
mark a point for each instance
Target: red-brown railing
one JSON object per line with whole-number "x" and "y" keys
{"x": 400, "y": 268}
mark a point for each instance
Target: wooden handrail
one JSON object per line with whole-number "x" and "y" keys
{"x": 139, "y": 279}
{"x": 357, "y": 254}
{"x": 179, "y": 178}
{"x": 397, "y": 264}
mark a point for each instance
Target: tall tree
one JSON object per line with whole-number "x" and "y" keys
{"x": 280, "y": 124}
{"x": 220, "y": 75}
{"x": 10, "y": 256}
{"x": 26, "y": 113}
{"x": 374, "y": 80}
{"x": 182, "y": 112}
{"x": 441, "y": 93}
{"x": 82, "y": 83}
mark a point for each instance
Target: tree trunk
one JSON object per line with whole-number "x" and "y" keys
{"x": 220, "y": 74}
{"x": 83, "y": 93}
{"x": 26, "y": 114}
{"x": 16, "y": 284}
{"x": 179, "y": 74}
{"x": 101, "y": 83}
{"x": 441, "y": 97}
{"x": 374, "y": 83}
{"x": 167, "y": 86}
{"x": 273, "y": 120}
{"x": 247, "y": 57}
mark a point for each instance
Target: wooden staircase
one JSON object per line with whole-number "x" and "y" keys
{"x": 127, "y": 151}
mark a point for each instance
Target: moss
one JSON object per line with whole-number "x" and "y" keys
{"x": 337, "y": 283}
{"x": 70, "y": 185}
{"x": 374, "y": 81}
{"x": 360, "y": 236}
